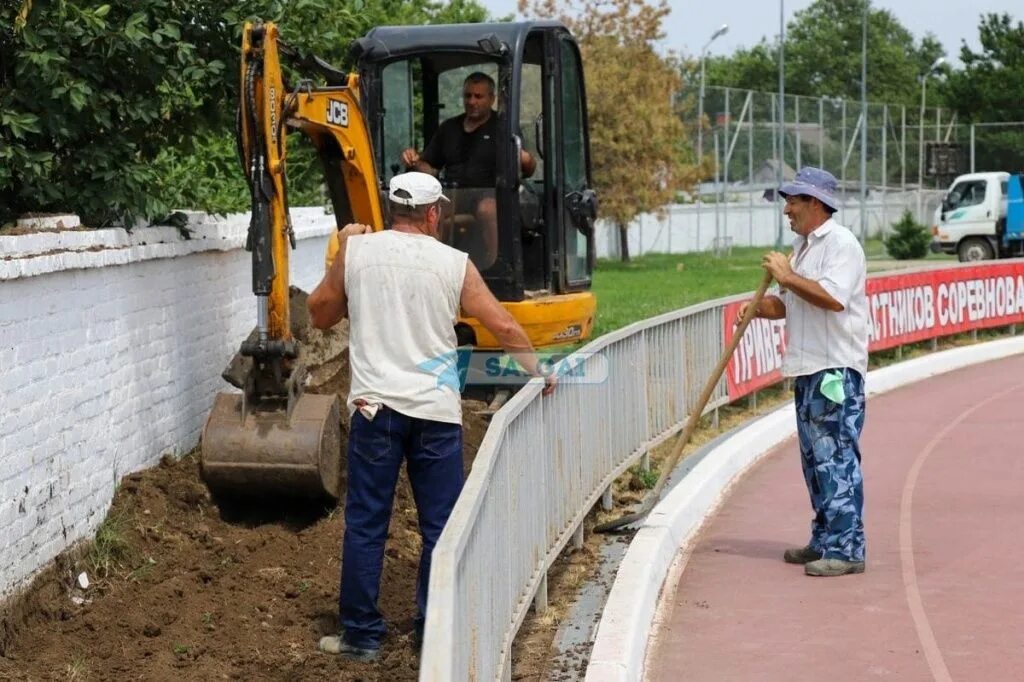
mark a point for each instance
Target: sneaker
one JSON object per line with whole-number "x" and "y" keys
{"x": 802, "y": 555}
{"x": 833, "y": 567}
{"x": 336, "y": 644}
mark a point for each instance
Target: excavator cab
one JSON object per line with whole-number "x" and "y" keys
{"x": 532, "y": 238}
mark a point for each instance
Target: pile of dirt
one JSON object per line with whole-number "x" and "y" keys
{"x": 184, "y": 587}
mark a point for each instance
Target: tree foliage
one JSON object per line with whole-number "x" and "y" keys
{"x": 638, "y": 141}
{"x": 989, "y": 88}
{"x": 99, "y": 101}
{"x": 823, "y": 56}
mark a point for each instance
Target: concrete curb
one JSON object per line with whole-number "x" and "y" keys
{"x": 620, "y": 647}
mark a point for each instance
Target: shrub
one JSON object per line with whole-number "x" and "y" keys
{"x": 909, "y": 239}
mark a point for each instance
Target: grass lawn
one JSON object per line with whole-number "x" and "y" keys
{"x": 657, "y": 283}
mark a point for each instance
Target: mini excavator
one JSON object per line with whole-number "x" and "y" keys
{"x": 274, "y": 438}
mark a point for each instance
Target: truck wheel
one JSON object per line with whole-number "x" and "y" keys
{"x": 975, "y": 249}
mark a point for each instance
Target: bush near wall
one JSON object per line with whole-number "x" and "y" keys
{"x": 109, "y": 110}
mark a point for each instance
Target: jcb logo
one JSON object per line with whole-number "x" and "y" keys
{"x": 337, "y": 113}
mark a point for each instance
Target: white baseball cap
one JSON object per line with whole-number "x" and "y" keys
{"x": 415, "y": 189}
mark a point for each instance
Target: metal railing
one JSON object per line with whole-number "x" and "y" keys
{"x": 542, "y": 466}
{"x": 545, "y": 462}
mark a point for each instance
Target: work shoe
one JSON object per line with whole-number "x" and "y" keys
{"x": 833, "y": 567}
{"x": 801, "y": 555}
{"x": 336, "y": 644}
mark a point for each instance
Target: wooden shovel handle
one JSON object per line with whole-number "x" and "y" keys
{"x": 695, "y": 414}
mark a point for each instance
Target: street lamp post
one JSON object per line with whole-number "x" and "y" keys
{"x": 920, "y": 142}
{"x": 720, "y": 31}
{"x": 700, "y": 99}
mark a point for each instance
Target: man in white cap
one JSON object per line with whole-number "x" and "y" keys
{"x": 822, "y": 298}
{"x": 401, "y": 290}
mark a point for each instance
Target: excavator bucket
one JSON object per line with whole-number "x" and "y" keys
{"x": 250, "y": 451}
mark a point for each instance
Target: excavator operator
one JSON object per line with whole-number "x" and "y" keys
{"x": 465, "y": 148}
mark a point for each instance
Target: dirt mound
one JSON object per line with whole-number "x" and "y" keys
{"x": 182, "y": 588}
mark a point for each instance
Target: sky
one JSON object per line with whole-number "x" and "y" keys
{"x": 691, "y": 22}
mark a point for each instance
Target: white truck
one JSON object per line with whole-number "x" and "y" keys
{"x": 971, "y": 220}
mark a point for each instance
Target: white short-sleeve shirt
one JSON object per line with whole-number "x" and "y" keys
{"x": 819, "y": 339}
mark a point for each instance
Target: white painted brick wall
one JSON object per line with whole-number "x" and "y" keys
{"x": 111, "y": 349}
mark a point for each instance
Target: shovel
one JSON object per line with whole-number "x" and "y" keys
{"x": 691, "y": 424}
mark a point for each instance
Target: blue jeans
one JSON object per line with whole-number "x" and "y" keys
{"x": 433, "y": 451}
{"x": 829, "y": 436}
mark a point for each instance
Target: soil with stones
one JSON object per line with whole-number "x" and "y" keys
{"x": 183, "y": 587}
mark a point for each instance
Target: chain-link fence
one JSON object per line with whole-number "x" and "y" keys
{"x": 912, "y": 156}
{"x": 907, "y": 147}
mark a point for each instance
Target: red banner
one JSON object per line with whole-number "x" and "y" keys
{"x": 758, "y": 358}
{"x": 902, "y": 308}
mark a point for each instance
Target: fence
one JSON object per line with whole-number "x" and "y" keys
{"x": 546, "y": 461}
{"x": 745, "y": 219}
{"x": 907, "y": 147}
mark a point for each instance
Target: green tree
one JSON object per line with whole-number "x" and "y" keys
{"x": 639, "y": 152}
{"x": 98, "y": 101}
{"x": 988, "y": 89}
{"x": 823, "y": 56}
{"x": 754, "y": 68}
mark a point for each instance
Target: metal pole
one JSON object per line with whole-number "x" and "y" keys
{"x": 700, "y": 143}
{"x": 821, "y": 132}
{"x": 778, "y": 175}
{"x": 670, "y": 212}
{"x": 903, "y": 150}
{"x": 842, "y": 179}
{"x": 972, "y": 147}
{"x": 718, "y": 198}
{"x": 725, "y": 161}
{"x": 782, "y": 112}
{"x": 885, "y": 164}
{"x": 700, "y": 113}
{"x": 721, "y": 30}
{"x": 796, "y": 120}
{"x": 864, "y": 128}
{"x": 920, "y": 147}
{"x": 750, "y": 170}
{"x": 920, "y": 151}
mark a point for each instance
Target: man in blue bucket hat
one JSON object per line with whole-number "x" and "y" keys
{"x": 822, "y": 298}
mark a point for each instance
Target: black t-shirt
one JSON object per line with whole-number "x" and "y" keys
{"x": 467, "y": 159}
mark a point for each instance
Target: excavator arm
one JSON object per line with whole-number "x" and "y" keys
{"x": 273, "y": 438}
{"x": 331, "y": 118}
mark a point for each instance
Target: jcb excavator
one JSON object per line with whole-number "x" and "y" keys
{"x": 275, "y": 438}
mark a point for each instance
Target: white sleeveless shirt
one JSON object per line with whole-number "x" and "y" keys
{"x": 403, "y": 301}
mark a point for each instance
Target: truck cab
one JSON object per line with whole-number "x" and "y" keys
{"x": 970, "y": 221}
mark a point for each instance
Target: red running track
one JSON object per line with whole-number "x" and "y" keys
{"x": 943, "y": 594}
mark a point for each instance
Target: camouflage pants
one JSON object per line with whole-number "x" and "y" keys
{"x": 830, "y": 455}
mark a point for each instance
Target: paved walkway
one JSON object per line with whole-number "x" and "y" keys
{"x": 943, "y": 594}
